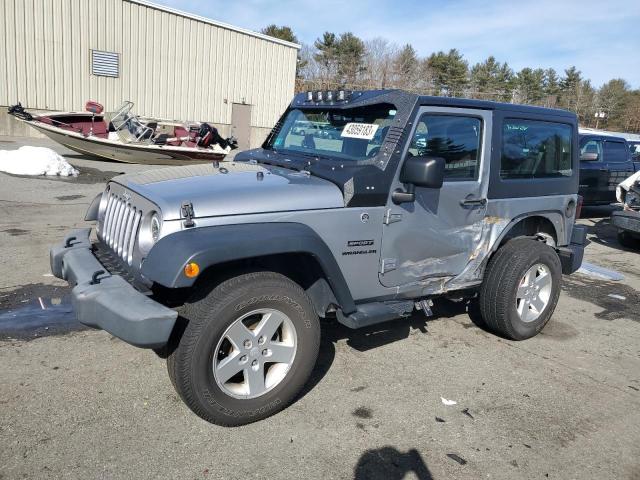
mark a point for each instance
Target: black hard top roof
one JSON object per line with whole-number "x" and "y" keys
{"x": 361, "y": 97}
{"x": 490, "y": 105}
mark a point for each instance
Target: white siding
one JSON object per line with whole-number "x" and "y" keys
{"x": 172, "y": 66}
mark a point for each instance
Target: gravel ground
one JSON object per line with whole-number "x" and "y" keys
{"x": 77, "y": 403}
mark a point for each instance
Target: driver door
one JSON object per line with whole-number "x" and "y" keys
{"x": 436, "y": 235}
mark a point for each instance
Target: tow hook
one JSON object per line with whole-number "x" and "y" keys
{"x": 95, "y": 278}
{"x": 68, "y": 243}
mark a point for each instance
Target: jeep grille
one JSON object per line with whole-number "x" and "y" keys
{"x": 119, "y": 229}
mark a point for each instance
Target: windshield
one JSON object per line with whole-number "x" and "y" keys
{"x": 350, "y": 134}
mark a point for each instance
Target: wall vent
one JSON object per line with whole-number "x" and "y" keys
{"x": 105, "y": 64}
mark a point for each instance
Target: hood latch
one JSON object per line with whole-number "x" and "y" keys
{"x": 187, "y": 213}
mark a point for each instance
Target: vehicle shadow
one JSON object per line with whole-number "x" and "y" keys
{"x": 604, "y": 233}
{"x": 381, "y": 334}
{"x": 387, "y": 463}
{"x": 600, "y": 211}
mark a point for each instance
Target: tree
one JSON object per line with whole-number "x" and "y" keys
{"x": 631, "y": 114}
{"x": 378, "y": 64}
{"x": 551, "y": 87}
{"x": 406, "y": 68}
{"x": 285, "y": 33}
{"x": 327, "y": 55}
{"x": 350, "y": 56}
{"x": 491, "y": 80}
{"x": 449, "y": 71}
{"x": 529, "y": 86}
{"x": 612, "y": 99}
{"x": 569, "y": 88}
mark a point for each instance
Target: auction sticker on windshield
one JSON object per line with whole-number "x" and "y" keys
{"x": 365, "y": 131}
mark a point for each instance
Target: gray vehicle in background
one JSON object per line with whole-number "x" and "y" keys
{"x": 225, "y": 269}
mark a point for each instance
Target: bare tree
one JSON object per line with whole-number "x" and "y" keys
{"x": 378, "y": 62}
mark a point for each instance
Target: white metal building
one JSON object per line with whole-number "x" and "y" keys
{"x": 57, "y": 54}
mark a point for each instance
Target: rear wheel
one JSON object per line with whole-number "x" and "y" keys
{"x": 521, "y": 288}
{"x": 248, "y": 348}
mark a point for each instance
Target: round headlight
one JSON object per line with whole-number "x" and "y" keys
{"x": 149, "y": 232}
{"x": 155, "y": 228}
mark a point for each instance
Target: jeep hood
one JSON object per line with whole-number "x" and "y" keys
{"x": 233, "y": 188}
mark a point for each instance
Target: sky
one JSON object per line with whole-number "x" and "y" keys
{"x": 601, "y": 38}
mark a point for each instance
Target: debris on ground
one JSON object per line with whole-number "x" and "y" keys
{"x": 466, "y": 412}
{"x": 28, "y": 160}
{"x": 457, "y": 458}
{"x": 601, "y": 273}
{"x": 616, "y": 296}
{"x": 440, "y": 420}
{"x": 448, "y": 402}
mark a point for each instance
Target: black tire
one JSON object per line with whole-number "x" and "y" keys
{"x": 209, "y": 314}
{"x": 498, "y": 304}
{"x": 627, "y": 240}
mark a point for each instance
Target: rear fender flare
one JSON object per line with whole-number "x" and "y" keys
{"x": 556, "y": 218}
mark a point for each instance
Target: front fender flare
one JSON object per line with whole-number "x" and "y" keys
{"x": 208, "y": 246}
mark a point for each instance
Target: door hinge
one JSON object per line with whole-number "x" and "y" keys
{"x": 187, "y": 213}
{"x": 388, "y": 264}
{"x": 392, "y": 217}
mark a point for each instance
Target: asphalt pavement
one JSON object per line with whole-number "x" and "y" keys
{"x": 79, "y": 403}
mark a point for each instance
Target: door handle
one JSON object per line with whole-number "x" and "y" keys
{"x": 473, "y": 202}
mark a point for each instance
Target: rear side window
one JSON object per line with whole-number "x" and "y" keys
{"x": 534, "y": 149}
{"x": 615, "y": 152}
{"x": 454, "y": 138}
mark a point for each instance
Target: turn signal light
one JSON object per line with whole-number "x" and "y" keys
{"x": 191, "y": 269}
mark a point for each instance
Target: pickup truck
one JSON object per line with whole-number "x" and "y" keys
{"x": 605, "y": 161}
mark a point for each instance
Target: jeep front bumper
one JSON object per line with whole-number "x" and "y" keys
{"x": 106, "y": 301}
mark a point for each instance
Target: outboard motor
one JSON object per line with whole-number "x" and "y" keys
{"x": 19, "y": 111}
{"x": 208, "y": 135}
{"x": 205, "y": 135}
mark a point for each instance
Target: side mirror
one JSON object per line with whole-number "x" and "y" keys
{"x": 427, "y": 172}
{"x": 589, "y": 157}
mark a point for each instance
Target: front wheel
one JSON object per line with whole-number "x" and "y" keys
{"x": 248, "y": 348}
{"x": 521, "y": 288}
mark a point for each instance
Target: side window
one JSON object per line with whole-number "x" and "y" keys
{"x": 454, "y": 138}
{"x": 592, "y": 146}
{"x": 615, "y": 152}
{"x": 534, "y": 149}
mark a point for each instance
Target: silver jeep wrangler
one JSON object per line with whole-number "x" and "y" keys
{"x": 225, "y": 269}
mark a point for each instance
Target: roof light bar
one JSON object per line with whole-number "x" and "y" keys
{"x": 327, "y": 96}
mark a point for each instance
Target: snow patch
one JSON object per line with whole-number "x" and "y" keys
{"x": 29, "y": 160}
